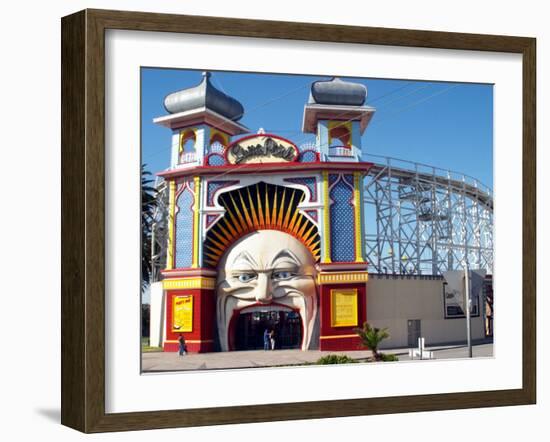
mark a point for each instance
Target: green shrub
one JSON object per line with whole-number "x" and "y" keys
{"x": 388, "y": 358}
{"x": 371, "y": 337}
{"x": 335, "y": 359}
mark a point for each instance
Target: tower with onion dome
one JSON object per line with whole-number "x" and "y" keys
{"x": 336, "y": 113}
{"x": 202, "y": 119}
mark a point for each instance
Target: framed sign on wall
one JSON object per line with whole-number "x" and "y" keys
{"x": 266, "y": 241}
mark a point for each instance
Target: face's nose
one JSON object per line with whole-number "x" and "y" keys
{"x": 264, "y": 292}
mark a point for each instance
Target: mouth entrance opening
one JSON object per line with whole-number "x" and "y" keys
{"x": 249, "y": 332}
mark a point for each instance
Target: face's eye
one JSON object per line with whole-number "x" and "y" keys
{"x": 246, "y": 277}
{"x": 282, "y": 275}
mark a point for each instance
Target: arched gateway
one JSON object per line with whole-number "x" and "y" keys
{"x": 261, "y": 235}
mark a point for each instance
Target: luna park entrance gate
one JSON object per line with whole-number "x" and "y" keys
{"x": 251, "y": 326}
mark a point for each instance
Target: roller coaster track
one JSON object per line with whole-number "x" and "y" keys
{"x": 418, "y": 219}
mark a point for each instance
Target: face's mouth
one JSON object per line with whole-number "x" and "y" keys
{"x": 249, "y": 328}
{"x": 231, "y": 308}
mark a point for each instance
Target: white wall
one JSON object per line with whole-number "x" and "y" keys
{"x": 30, "y": 262}
{"x": 157, "y": 334}
{"x": 391, "y": 302}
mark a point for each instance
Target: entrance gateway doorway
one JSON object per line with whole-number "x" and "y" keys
{"x": 249, "y": 333}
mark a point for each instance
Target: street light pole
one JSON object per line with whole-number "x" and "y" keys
{"x": 467, "y": 308}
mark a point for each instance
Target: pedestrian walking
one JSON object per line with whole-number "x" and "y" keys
{"x": 183, "y": 346}
{"x": 272, "y": 339}
{"x": 266, "y": 339}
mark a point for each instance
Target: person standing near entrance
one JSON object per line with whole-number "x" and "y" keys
{"x": 266, "y": 339}
{"x": 272, "y": 339}
{"x": 183, "y": 347}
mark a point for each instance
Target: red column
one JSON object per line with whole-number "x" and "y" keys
{"x": 194, "y": 290}
{"x": 343, "y": 307}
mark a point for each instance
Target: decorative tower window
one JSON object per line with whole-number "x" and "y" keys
{"x": 187, "y": 152}
{"x": 340, "y": 136}
{"x": 218, "y": 143}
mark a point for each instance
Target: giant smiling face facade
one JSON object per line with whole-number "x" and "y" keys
{"x": 267, "y": 268}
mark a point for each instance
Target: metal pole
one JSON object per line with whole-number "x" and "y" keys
{"x": 467, "y": 307}
{"x": 153, "y": 273}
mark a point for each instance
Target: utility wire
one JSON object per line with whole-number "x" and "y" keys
{"x": 424, "y": 86}
{"x": 381, "y": 97}
{"x": 253, "y": 109}
{"x": 343, "y": 123}
{"x": 270, "y": 101}
{"x": 416, "y": 103}
{"x": 341, "y": 114}
{"x": 374, "y": 100}
{"x": 348, "y": 112}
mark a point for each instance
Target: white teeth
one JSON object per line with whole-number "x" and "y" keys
{"x": 225, "y": 308}
{"x": 266, "y": 308}
{"x": 307, "y": 313}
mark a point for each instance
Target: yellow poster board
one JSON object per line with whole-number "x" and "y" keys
{"x": 343, "y": 307}
{"x": 182, "y": 313}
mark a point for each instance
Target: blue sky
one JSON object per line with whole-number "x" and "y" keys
{"x": 447, "y": 125}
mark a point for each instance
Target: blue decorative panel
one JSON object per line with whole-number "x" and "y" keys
{"x": 213, "y": 187}
{"x": 184, "y": 229}
{"x": 210, "y": 219}
{"x": 349, "y": 179}
{"x": 332, "y": 178}
{"x": 312, "y": 214}
{"x": 216, "y": 160}
{"x": 308, "y": 156}
{"x": 342, "y": 235}
{"x": 309, "y": 182}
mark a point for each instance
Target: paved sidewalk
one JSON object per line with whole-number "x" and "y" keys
{"x": 161, "y": 361}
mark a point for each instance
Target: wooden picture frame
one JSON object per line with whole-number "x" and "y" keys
{"x": 83, "y": 220}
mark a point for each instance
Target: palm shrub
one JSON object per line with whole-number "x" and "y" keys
{"x": 148, "y": 206}
{"x": 371, "y": 337}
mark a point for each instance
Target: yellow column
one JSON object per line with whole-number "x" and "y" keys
{"x": 357, "y": 215}
{"x": 326, "y": 220}
{"x": 196, "y": 221}
{"x": 171, "y": 215}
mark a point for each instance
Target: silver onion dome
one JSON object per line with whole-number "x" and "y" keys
{"x": 338, "y": 92}
{"x": 204, "y": 95}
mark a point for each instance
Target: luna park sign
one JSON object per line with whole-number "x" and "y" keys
{"x": 261, "y": 149}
